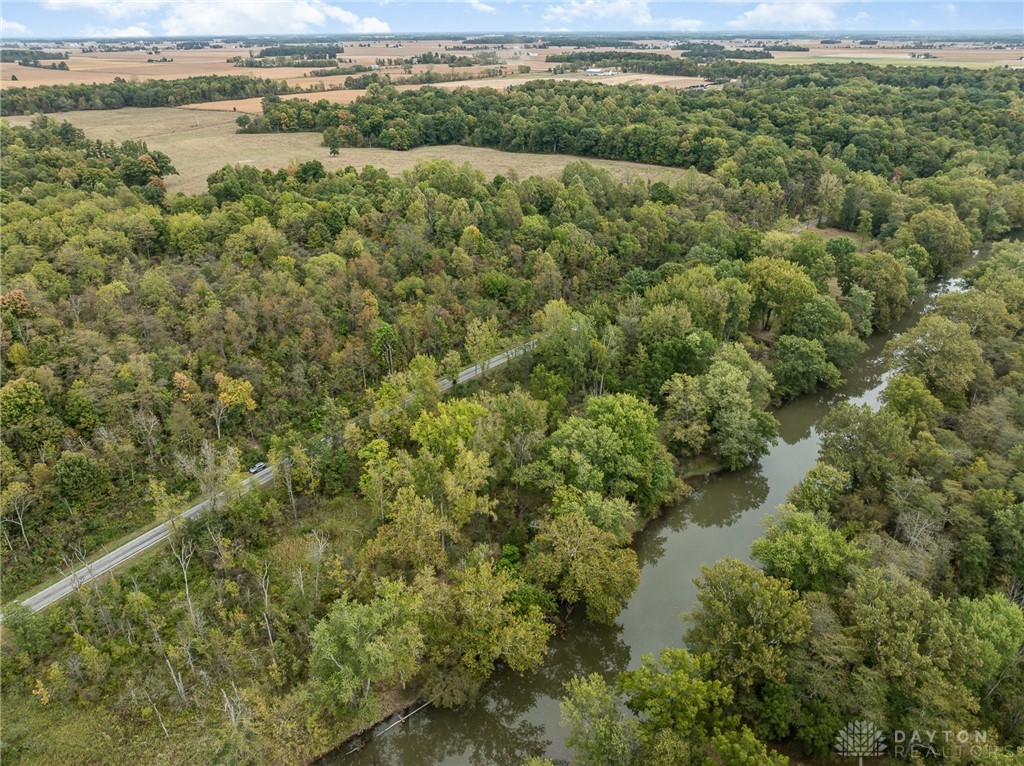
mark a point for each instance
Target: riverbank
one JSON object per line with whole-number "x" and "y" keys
{"x": 518, "y": 716}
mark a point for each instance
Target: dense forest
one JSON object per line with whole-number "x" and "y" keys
{"x": 689, "y": 62}
{"x": 890, "y": 584}
{"x": 155, "y": 345}
{"x": 627, "y": 61}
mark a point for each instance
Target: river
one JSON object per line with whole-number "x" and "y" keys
{"x": 518, "y": 715}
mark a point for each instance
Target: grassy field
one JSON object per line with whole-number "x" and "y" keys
{"x": 200, "y": 142}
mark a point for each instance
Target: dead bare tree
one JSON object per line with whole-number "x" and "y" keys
{"x": 217, "y": 411}
{"x": 146, "y": 425}
{"x": 77, "y": 568}
{"x": 284, "y": 470}
{"x": 183, "y": 548}
{"x": 17, "y": 499}
{"x": 264, "y": 584}
{"x": 156, "y": 710}
{"x": 216, "y": 473}
{"x": 916, "y": 528}
{"x": 75, "y": 306}
{"x": 1015, "y": 591}
{"x": 316, "y": 554}
{"x": 179, "y": 684}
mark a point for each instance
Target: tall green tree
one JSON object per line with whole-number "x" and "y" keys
{"x": 358, "y": 645}
{"x": 944, "y": 355}
{"x": 584, "y": 563}
{"x": 748, "y": 622}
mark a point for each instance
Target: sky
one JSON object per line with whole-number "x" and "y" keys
{"x": 146, "y": 18}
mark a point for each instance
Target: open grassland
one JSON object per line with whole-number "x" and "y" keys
{"x": 200, "y": 142}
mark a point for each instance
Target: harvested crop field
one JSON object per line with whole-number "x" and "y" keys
{"x": 133, "y": 65}
{"x": 200, "y": 142}
{"x": 969, "y": 56}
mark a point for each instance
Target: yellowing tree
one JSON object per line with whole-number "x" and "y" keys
{"x": 231, "y": 392}
{"x": 235, "y": 392}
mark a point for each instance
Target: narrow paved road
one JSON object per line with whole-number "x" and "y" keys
{"x": 148, "y": 539}
{"x": 475, "y": 371}
{"x": 118, "y": 556}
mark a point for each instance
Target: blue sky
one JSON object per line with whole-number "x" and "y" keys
{"x": 94, "y": 18}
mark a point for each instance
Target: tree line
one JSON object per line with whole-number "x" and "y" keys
{"x": 151, "y": 93}
{"x": 309, "y": 51}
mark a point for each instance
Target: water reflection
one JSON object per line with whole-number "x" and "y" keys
{"x": 518, "y": 716}
{"x": 435, "y": 736}
{"x": 720, "y": 506}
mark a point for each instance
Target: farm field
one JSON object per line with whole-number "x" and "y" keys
{"x": 969, "y": 56}
{"x": 200, "y": 142}
{"x": 132, "y": 65}
{"x": 105, "y": 66}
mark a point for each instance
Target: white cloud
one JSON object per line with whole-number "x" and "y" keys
{"x": 477, "y": 5}
{"x": 948, "y": 8}
{"x": 135, "y": 30}
{"x": 114, "y": 9}
{"x": 684, "y": 25}
{"x": 227, "y": 17}
{"x": 354, "y": 23}
{"x": 785, "y": 16}
{"x": 635, "y": 13}
{"x": 11, "y": 28}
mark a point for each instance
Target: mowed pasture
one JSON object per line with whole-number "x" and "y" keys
{"x": 201, "y": 142}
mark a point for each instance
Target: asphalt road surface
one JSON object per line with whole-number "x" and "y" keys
{"x": 146, "y": 540}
